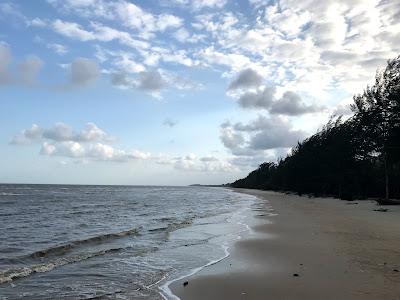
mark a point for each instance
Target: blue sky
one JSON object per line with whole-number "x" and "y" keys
{"x": 175, "y": 91}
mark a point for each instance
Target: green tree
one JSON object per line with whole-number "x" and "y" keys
{"x": 377, "y": 111}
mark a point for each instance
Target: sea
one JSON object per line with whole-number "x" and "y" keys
{"x": 112, "y": 242}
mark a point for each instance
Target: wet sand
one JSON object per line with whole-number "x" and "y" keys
{"x": 314, "y": 248}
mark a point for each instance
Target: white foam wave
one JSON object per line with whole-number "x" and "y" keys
{"x": 237, "y": 218}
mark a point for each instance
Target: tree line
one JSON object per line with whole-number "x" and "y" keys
{"x": 354, "y": 158}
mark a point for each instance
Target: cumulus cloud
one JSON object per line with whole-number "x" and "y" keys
{"x": 122, "y": 80}
{"x": 66, "y": 148}
{"x": 199, "y": 4}
{"x": 230, "y": 138}
{"x": 96, "y": 152}
{"x": 98, "y": 32}
{"x": 192, "y": 163}
{"x": 129, "y": 14}
{"x": 29, "y": 69}
{"x": 278, "y": 136}
{"x": 90, "y": 143}
{"x": 292, "y": 44}
{"x": 58, "y": 48}
{"x": 61, "y": 132}
{"x": 28, "y": 136}
{"x": 72, "y": 30}
{"x": 246, "y": 79}
{"x": 151, "y": 81}
{"x": 26, "y": 73}
{"x": 259, "y": 99}
{"x": 37, "y": 22}
{"x": 290, "y": 104}
{"x": 182, "y": 35}
{"x": 83, "y": 72}
{"x": 258, "y": 138}
{"x": 5, "y": 60}
{"x": 165, "y": 21}
{"x": 126, "y": 13}
{"x": 208, "y": 158}
{"x": 264, "y": 138}
{"x": 212, "y": 56}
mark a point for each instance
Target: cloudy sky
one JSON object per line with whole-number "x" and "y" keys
{"x": 177, "y": 91}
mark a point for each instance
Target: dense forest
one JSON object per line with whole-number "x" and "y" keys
{"x": 354, "y": 158}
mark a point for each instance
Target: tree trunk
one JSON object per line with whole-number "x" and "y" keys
{"x": 386, "y": 179}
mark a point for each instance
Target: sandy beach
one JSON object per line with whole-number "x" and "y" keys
{"x": 313, "y": 248}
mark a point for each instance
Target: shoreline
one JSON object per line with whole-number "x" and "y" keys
{"x": 167, "y": 293}
{"x": 165, "y": 289}
{"x": 313, "y": 248}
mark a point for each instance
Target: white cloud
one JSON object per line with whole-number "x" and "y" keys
{"x": 99, "y": 33}
{"x": 61, "y": 132}
{"x": 247, "y": 78}
{"x": 37, "y": 22}
{"x": 192, "y": 163}
{"x": 26, "y": 73}
{"x": 291, "y": 105}
{"x": 104, "y": 152}
{"x": 168, "y": 21}
{"x": 96, "y": 152}
{"x": 28, "y": 136}
{"x": 10, "y": 9}
{"x": 259, "y": 99}
{"x": 230, "y": 138}
{"x": 127, "y": 63}
{"x": 199, "y": 4}
{"x": 29, "y": 69}
{"x": 83, "y": 72}
{"x": 287, "y": 21}
{"x": 93, "y": 133}
{"x": 122, "y": 80}
{"x": 182, "y": 35}
{"x": 151, "y": 81}
{"x": 235, "y": 61}
{"x": 66, "y": 148}
{"x": 5, "y": 60}
{"x": 91, "y": 143}
{"x": 179, "y": 57}
{"x": 58, "y": 48}
{"x": 146, "y": 23}
{"x": 73, "y": 30}
{"x": 106, "y": 34}
{"x": 259, "y": 140}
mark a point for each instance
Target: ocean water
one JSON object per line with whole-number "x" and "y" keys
{"x": 111, "y": 242}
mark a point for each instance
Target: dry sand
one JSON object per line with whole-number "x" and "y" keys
{"x": 340, "y": 250}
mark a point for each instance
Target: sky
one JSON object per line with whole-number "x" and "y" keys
{"x": 177, "y": 92}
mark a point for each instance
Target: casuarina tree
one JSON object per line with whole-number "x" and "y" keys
{"x": 377, "y": 111}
